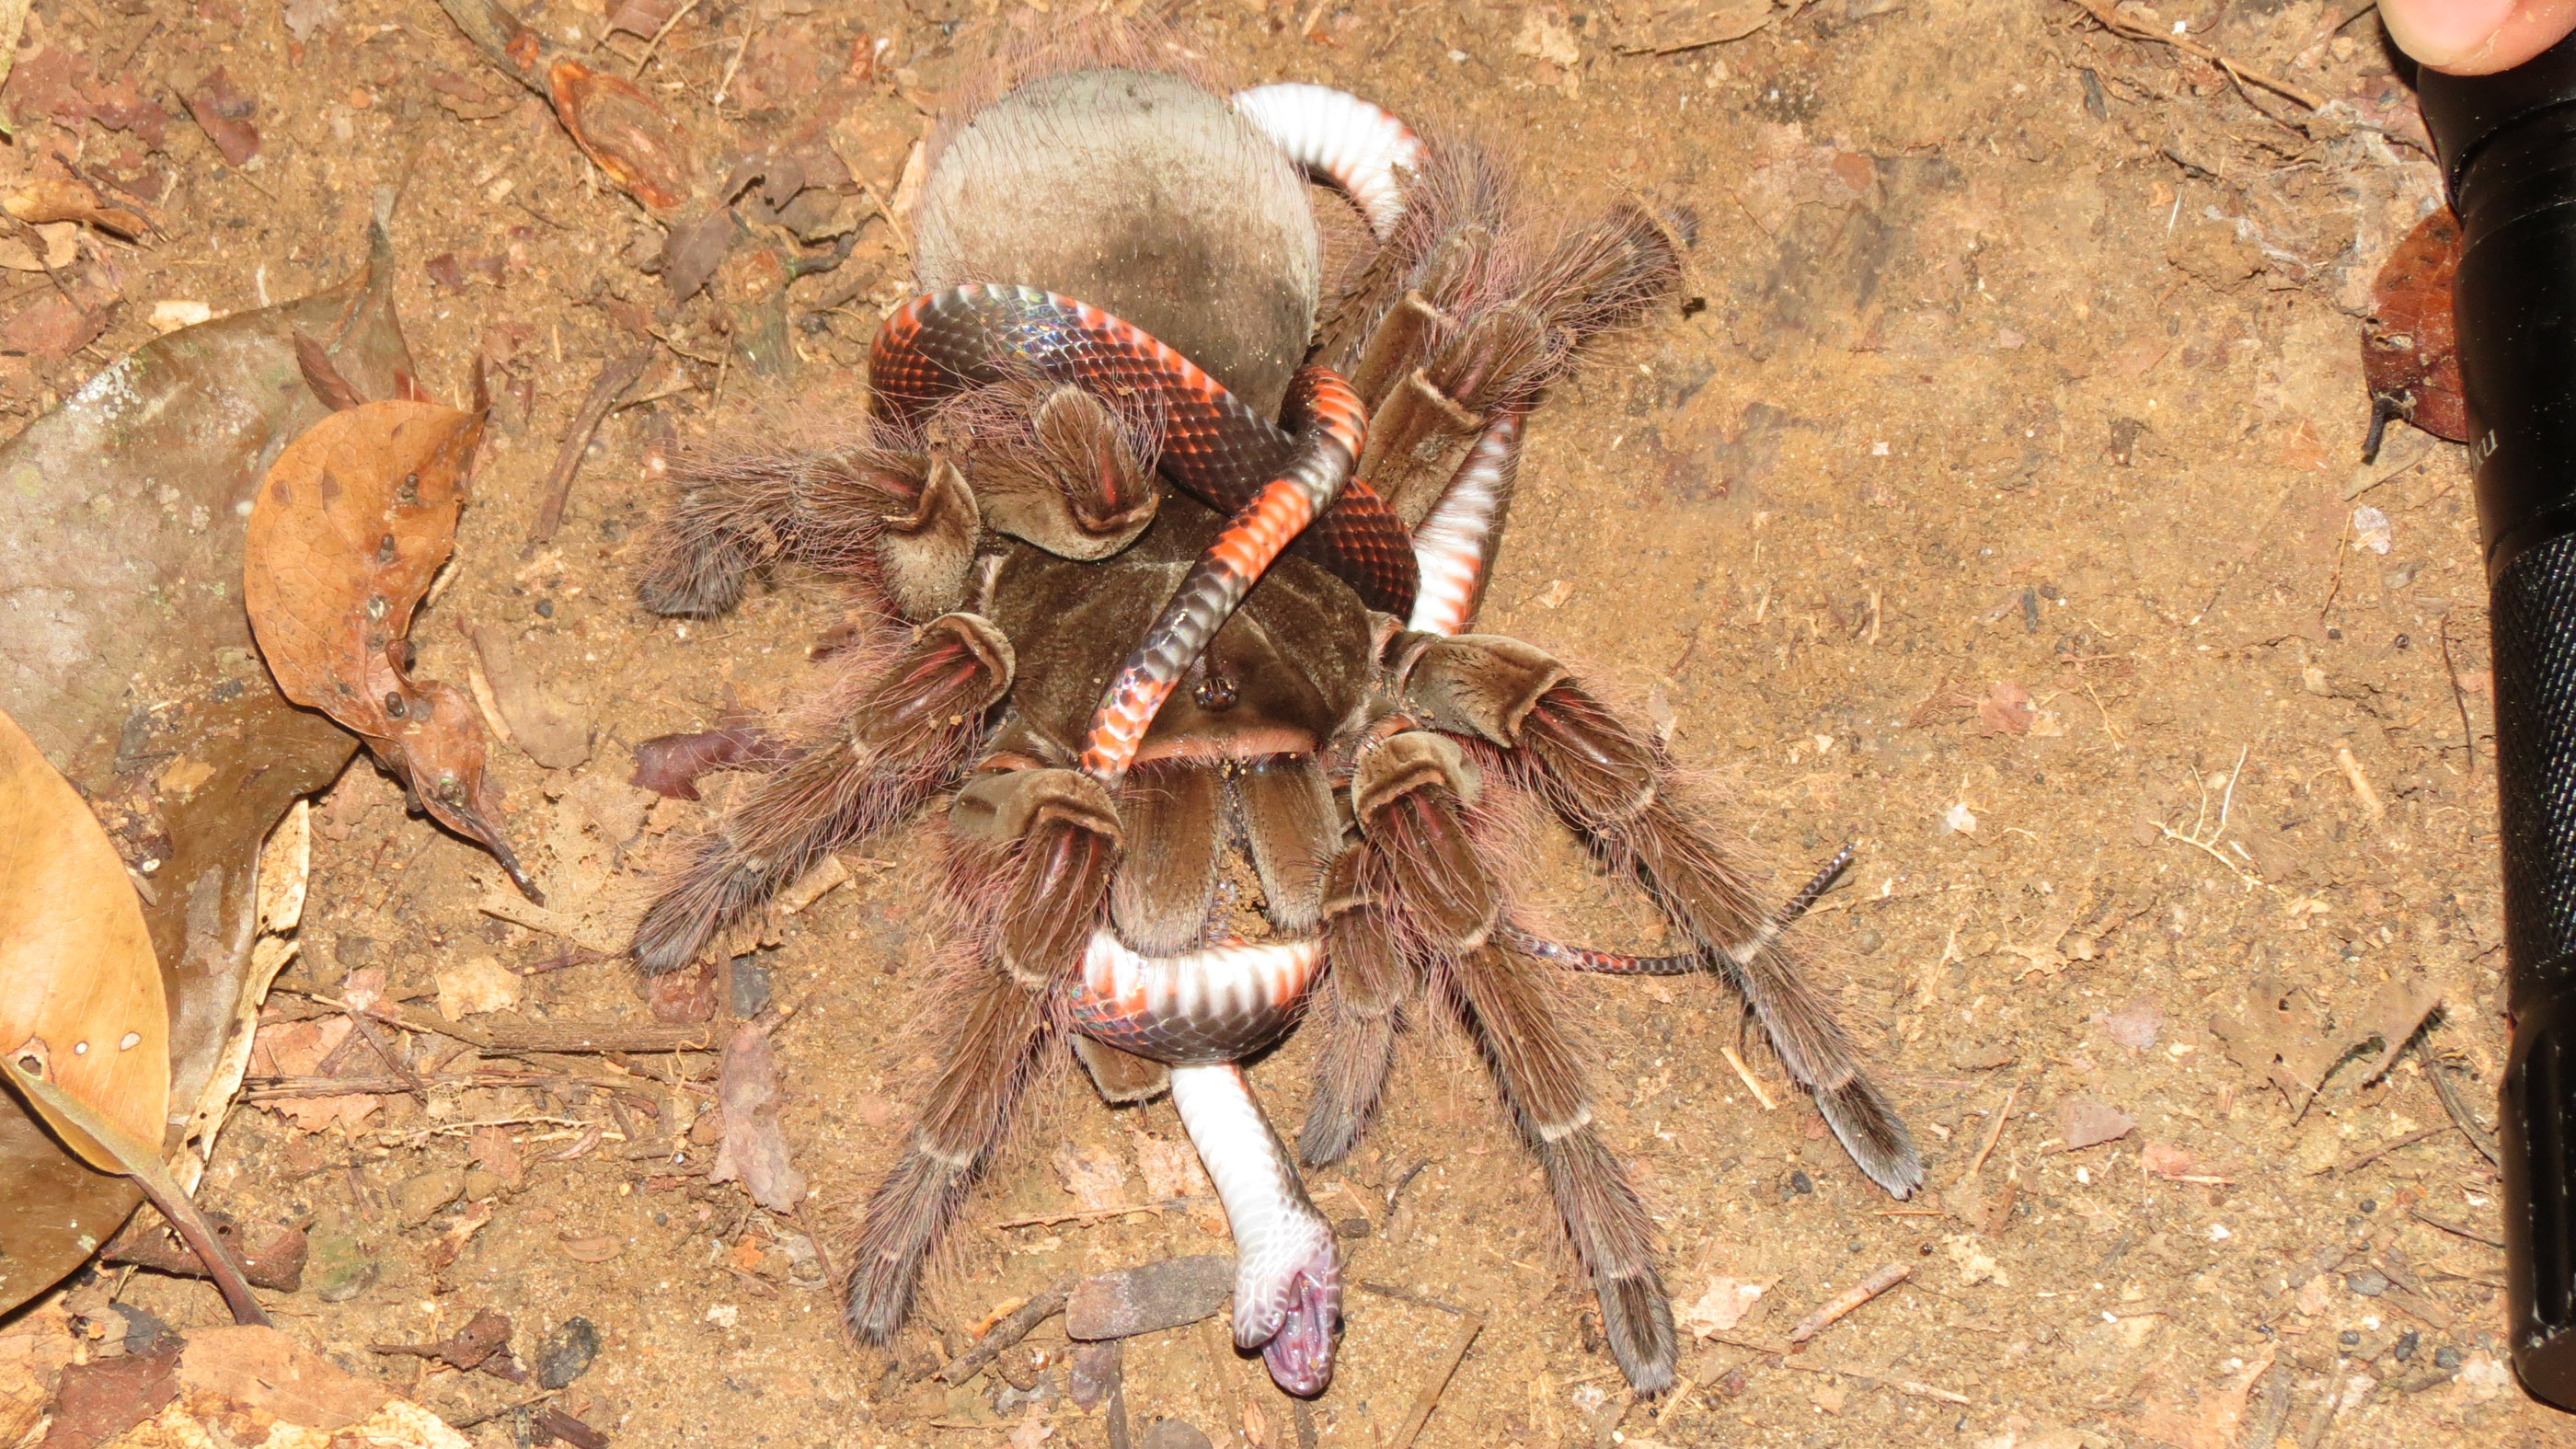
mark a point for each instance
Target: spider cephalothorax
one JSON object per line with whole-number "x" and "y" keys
{"x": 1338, "y": 738}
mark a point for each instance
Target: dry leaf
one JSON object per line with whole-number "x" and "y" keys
{"x": 224, "y": 113}
{"x": 2278, "y": 1036}
{"x": 470, "y": 988}
{"x": 1093, "y": 1176}
{"x": 346, "y": 533}
{"x": 1723, "y": 1306}
{"x": 2204, "y": 1419}
{"x": 2407, "y": 356}
{"x": 495, "y": 1151}
{"x": 592, "y": 1250}
{"x": 1545, "y": 35}
{"x": 2165, "y": 1160}
{"x": 2084, "y": 1122}
{"x": 539, "y": 723}
{"x": 80, "y": 991}
{"x": 2004, "y": 709}
{"x": 55, "y": 199}
{"x": 1172, "y": 1168}
{"x": 2395, "y": 1014}
{"x": 753, "y": 1149}
{"x": 2135, "y": 1025}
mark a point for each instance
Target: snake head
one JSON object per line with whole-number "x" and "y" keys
{"x": 1294, "y": 1320}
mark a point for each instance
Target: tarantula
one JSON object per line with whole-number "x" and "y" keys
{"x": 1339, "y": 737}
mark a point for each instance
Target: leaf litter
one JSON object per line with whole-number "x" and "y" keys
{"x": 353, "y": 523}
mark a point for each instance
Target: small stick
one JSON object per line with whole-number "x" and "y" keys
{"x": 1469, "y": 1325}
{"x": 1406, "y": 1295}
{"x": 1091, "y": 1215}
{"x": 2131, "y": 30}
{"x": 2385, "y": 1148}
{"x": 385, "y": 1052}
{"x": 1746, "y": 1073}
{"x": 2454, "y": 1229}
{"x": 1849, "y": 1299}
{"x": 1013, "y": 1327}
{"x": 655, "y": 43}
{"x": 1994, "y": 1133}
{"x": 611, "y": 385}
{"x": 2460, "y": 1117}
{"x": 1787, "y": 1359}
{"x": 2460, "y": 699}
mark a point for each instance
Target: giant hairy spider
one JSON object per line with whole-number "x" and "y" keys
{"x": 1336, "y": 737}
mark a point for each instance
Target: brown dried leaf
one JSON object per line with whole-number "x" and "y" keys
{"x": 352, "y": 523}
{"x": 669, "y": 765}
{"x": 53, "y": 327}
{"x": 2004, "y": 709}
{"x": 2083, "y": 1122}
{"x": 1723, "y": 1306}
{"x": 79, "y": 990}
{"x": 622, "y": 130}
{"x": 2408, "y": 356}
{"x": 51, "y": 199}
{"x": 2279, "y": 1037}
{"x": 753, "y": 1149}
{"x": 539, "y": 723}
{"x": 224, "y": 113}
{"x": 2165, "y": 1160}
{"x": 642, "y": 17}
{"x": 495, "y": 1151}
{"x": 2198, "y": 1419}
{"x": 1093, "y": 1176}
{"x": 2395, "y": 1014}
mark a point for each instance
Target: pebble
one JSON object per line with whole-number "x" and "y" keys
{"x": 417, "y": 1199}
{"x": 481, "y": 1185}
{"x": 2369, "y": 1282}
{"x": 1149, "y": 1299}
{"x": 565, "y": 1354}
{"x": 750, "y": 987}
{"x": 1094, "y": 1372}
{"x": 1173, "y": 1434}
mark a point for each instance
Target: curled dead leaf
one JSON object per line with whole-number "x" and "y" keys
{"x": 2408, "y": 355}
{"x": 346, "y": 533}
{"x": 54, "y": 199}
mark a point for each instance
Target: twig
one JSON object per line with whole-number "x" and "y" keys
{"x": 2460, "y": 1117}
{"x": 1746, "y": 1074}
{"x": 2385, "y": 1148}
{"x": 1994, "y": 1133}
{"x": 1014, "y": 1326}
{"x": 1785, "y": 1357}
{"x": 611, "y": 385}
{"x": 1428, "y": 1397}
{"x": 1844, "y": 1302}
{"x": 1092, "y": 1215}
{"x": 1407, "y": 1295}
{"x": 385, "y": 1052}
{"x": 2454, "y": 1229}
{"x": 2460, "y": 699}
{"x": 655, "y": 43}
{"x": 568, "y": 1037}
{"x": 2131, "y": 30}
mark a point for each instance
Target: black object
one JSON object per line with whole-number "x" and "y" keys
{"x": 2508, "y": 148}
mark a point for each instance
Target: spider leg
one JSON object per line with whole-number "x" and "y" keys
{"x": 888, "y": 517}
{"x": 908, "y": 732}
{"x": 991, "y": 1056}
{"x": 1408, "y": 791}
{"x": 1604, "y": 778}
{"x": 1371, "y": 978}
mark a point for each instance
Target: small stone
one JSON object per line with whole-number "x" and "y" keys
{"x": 1351, "y": 1228}
{"x": 480, "y": 1186}
{"x": 418, "y": 1199}
{"x": 1150, "y": 1298}
{"x": 2403, "y": 1350}
{"x": 750, "y": 986}
{"x": 1800, "y": 1184}
{"x": 2446, "y": 1357}
{"x": 1172, "y": 1434}
{"x": 1868, "y": 941}
{"x": 565, "y": 1354}
{"x": 1095, "y": 1371}
{"x": 2369, "y": 1282}
{"x": 2349, "y": 1338}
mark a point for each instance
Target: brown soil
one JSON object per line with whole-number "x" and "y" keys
{"x": 2004, "y": 470}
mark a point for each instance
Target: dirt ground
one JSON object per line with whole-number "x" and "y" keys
{"x": 1993, "y": 505}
